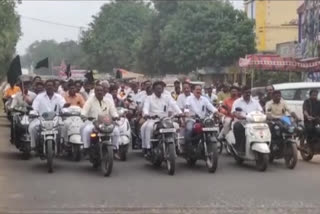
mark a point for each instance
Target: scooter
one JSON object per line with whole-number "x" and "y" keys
{"x": 20, "y": 134}
{"x": 125, "y": 133}
{"x": 73, "y": 122}
{"x": 283, "y": 143}
{"x": 258, "y": 139}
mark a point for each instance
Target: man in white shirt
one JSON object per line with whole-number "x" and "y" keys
{"x": 95, "y": 106}
{"x": 49, "y": 101}
{"x": 87, "y": 89}
{"x": 157, "y": 104}
{"x": 240, "y": 108}
{"x": 143, "y": 94}
{"x": 181, "y": 101}
{"x": 196, "y": 105}
{"x": 210, "y": 95}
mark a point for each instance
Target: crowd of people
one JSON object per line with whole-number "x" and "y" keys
{"x": 153, "y": 99}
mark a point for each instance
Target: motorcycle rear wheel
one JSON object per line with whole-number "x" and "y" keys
{"x": 106, "y": 160}
{"x": 26, "y": 153}
{"x": 171, "y": 159}
{"x": 50, "y": 155}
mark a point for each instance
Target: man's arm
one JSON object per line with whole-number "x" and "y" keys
{"x": 210, "y": 107}
{"x": 146, "y": 107}
{"x": 86, "y": 108}
{"x": 173, "y": 104}
{"x": 36, "y": 103}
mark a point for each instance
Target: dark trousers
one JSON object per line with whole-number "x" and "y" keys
{"x": 309, "y": 129}
{"x": 240, "y": 136}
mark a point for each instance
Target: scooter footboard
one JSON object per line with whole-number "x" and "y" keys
{"x": 260, "y": 147}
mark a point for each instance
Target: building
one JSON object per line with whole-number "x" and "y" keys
{"x": 276, "y": 22}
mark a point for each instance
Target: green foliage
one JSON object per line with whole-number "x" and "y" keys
{"x": 70, "y": 51}
{"x": 198, "y": 34}
{"x": 115, "y": 34}
{"x": 9, "y": 33}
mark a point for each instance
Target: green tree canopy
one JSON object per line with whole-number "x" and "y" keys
{"x": 9, "y": 33}
{"x": 115, "y": 34}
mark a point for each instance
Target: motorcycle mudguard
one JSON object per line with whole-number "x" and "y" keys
{"x": 261, "y": 147}
{"x": 75, "y": 139}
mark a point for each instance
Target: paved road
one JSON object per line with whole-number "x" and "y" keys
{"x": 136, "y": 187}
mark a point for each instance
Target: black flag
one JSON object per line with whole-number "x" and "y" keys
{"x": 118, "y": 74}
{"x": 14, "y": 70}
{"x": 68, "y": 71}
{"x": 89, "y": 76}
{"x": 43, "y": 63}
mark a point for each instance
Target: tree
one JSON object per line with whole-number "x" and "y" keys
{"x": 69, "y": 51}
{"x": 115, "y": 34}
{"x": 198, "y": 34}
{"x": 9, "y": 33}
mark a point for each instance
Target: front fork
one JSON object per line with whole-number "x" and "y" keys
{"x": 169, "y": 139}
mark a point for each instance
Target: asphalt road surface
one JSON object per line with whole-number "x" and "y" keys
{"x": 136, "y": 187}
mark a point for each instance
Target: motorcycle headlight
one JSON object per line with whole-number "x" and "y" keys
{"x": 47, "y": 125}
{"x": 291, "y": 129}
{"x": 106, "y": 128}
{"x": 167, "y": 124}
{"x": 208, "y": 122}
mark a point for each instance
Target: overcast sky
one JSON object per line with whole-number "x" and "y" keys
{"x": 76, "y": 13}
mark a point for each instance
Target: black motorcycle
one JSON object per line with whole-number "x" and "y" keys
{"x": 163, "y": 144}
{"x": 203, "y": 143}
{"x": 311, "y": 147}
{"x": 283, "y": 143}
{"x": 20, "y": 136}
{"x": 101, "y": 147}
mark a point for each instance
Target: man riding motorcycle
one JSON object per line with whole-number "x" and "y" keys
{"x": 158, "y": 105}
{"x": 311, "y": 113}
{"x": 183, "y": 97}
{"x": 247, "y": 105}
{"x": 95, "y": 106}
{"x": 49, "y": 101}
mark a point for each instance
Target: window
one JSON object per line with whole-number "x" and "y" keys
{"x": 288, "y": 94}
{"x": 305, "y": 93}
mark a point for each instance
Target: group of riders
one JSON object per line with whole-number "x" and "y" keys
{"x": 148, "y": 104}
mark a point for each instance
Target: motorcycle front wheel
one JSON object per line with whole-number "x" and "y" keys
{"x": 171, "y": 159}
{"x": 123, "y": 151}
{"x": 305, "y": 150}
{"x": 76, "y": 152}
{"x": 50, "y": 155}
{"x": 212, "y": 157}
{"x": 26, "y": 153}
{"x": 262, "y": 160}
{"x": 291, "y": 155}
{"x": 106, "y": 160}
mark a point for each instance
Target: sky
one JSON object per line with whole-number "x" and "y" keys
{"x": 74, "y": 13}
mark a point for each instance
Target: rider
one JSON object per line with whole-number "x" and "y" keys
{"x": 226, "y": 110}
{"x": 73, "y": 98}
{"x": 224, "y": 94}
{"x": 210, "y": 96}
{"x": 311, "y": 113}
{"x": 45, "y": 102}
{"x": 269, "y": 91}
{"x": 182, "y": 97}
{"x": 95, "y": 106}
{"x": 196, "y": 105}
{"x": 158, "y": 105}
{"x": 240, "y": 108}
{"x": 87, "y": 89}
{"x": 12, "y": 90}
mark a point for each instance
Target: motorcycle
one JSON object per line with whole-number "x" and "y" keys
{"x": 101, "y": 147}
{"x": 258, "y": 139}
{"x": 311, "y": 148}
{"x": 163, "y": 144}
{"x": 20, "y": 134}
{"x": 125, "y": 133}
{"x": 48, "y": 144}
{"x": 283, "y": 144}
{"x": 203, "y": 145}
{"x": 73, "y": 122}
{"x": 133, "y": 117}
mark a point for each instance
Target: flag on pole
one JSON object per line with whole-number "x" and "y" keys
{"x": 14, "y": 70}
{"x": 43, "y": 63}
{"x": 68, "y": 71}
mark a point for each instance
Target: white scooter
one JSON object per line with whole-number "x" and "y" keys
{"x": 125, "y": 133}
{"x": 258, "y": 139}
{"x": 73, "y": 122}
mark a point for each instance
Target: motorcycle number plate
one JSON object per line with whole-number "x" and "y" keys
{"x": 167, "y": 130}
{"x": 49, "y": 132}
{"x": 210, "y": 129}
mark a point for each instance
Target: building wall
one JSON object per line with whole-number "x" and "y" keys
{"x": 273, "y": 22}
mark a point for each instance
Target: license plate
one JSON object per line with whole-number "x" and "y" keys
{"x": 167, "y": 130}
{"x": 50, "y": 132}
{"x": 210, "y": 129}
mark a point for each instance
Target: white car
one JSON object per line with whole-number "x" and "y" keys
{"x": 296, "y": 93}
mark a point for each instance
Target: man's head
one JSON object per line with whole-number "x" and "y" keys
{"x": 158, "y": 88}
{"x": 50, "y": 87}
{"x": 39, "y": 87}
{"x": 234, "y": 91}
{"x": 276, "y": 96}
{"x": 176, "y": 83}
{"x": 88, "y": 86}
{"x": 197, "y": 91}
{"x": 209, "y": 89}
{"x": 56, "y": 85}
{"x": 225, "y": 88}
{"x": 269, "y": 90}
{"x": 134, "y": 87}
{"x": 177, "y": 89}
{"x": 114, "y": 91}
{"x": 98, "y": 91}
{"x": 186, "y": 88}
{"x": 313, "y": 94}
{"x": 105, "y": 84}
{"x": 65, "y": 85}
{"x": 72, "y": 88}
{"x": 246, "y": 93}
{"x": 78, "y": 85}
